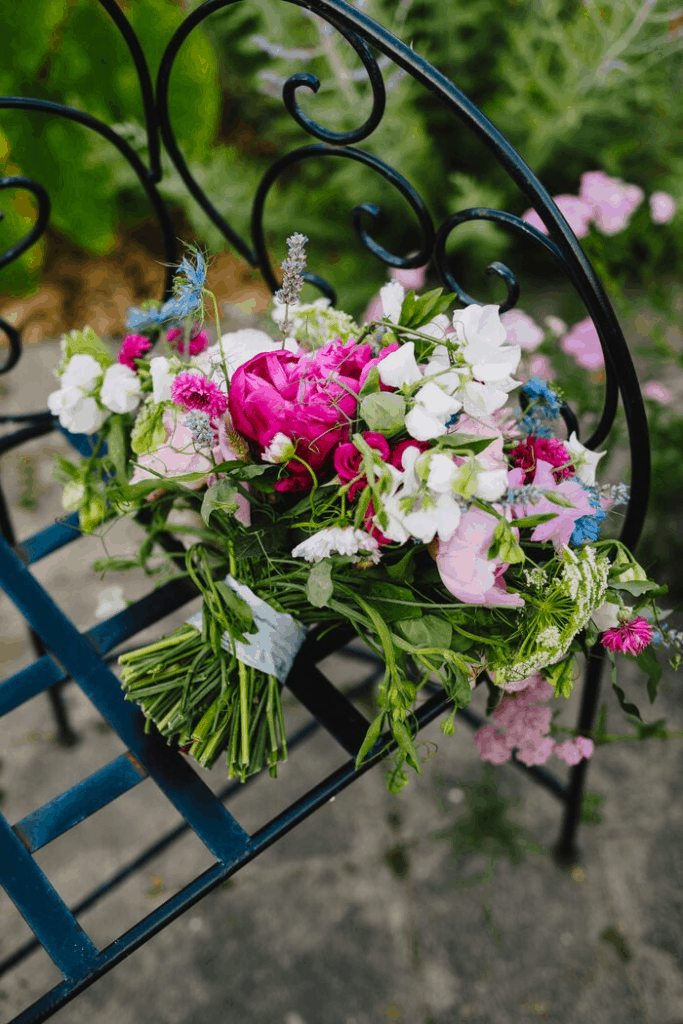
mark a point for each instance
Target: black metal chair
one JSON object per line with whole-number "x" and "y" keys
{"x": 62, "y": 652}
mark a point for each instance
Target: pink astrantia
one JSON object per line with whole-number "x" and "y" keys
{"x": 583, "y": 343}
{"x": 133, "y": 347}
{"x": 613, "y": 201}
{"x": 657, "y": 392}
{"x": 522, "y": 330}
{"x": 663, "y": 207}
{"x": 198, "y": 340}
{"x": 559, "y": 529}
{"x": 630, "y": 638}
{"x": 193, "y": 391}
{"x": 576, "y": 211}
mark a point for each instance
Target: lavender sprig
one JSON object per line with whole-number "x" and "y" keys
{"x": 292, "y": 282}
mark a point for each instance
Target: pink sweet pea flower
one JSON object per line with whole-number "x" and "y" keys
{"x": 522, "y": 330}
{"x": 576, "y": 211}
{"x": 657, "y": 392}
{"x": 663, "y": 207}
{"x": 583, "y": 343}
{"x": 559, "y": 529}
{"x": 613, "y": 201}
{"x": 464, "y": 566}
{"x": 539, "y": 366}
{"x": 574, "y": 750}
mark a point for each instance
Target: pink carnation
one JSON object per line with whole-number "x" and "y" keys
{"x": 196, "y": 392}
{"x": 198, "y": 340}
{"x": 133, "y": 347}
{"x": 629, "y": 638}
{"x": 613, "y": 200}
{"x": 583, "y": 343}
{"x": 662, "y": 207}
{"x": 550, "y": 449}
{"x": 576, "y": 211}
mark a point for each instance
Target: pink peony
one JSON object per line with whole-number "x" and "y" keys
{"x": 464, "y": 566}
{"x": 630, "y": 638}
{"x": 309, "y": 397}
{"x": 550, "y": 449}
{"x": 193, "y": 391}
{"x": 657, "y": 392}
{"x": 522, "y": 330}
{"x": 663, "y": 207}
{"x": 613, "y": 201}
{"x": 133, "y": 347}
{"x": 576, "y": 211}
{"x": 583, "y": 343}
{"x": 198, "y": 339}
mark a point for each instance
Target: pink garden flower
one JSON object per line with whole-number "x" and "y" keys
{"x": 550, "y": 449}
{"x": 133, "y": 347}
{"x": 193, "y": 391}
{"x": 613, "y": 201}
{"x": 657, "y": 392}
{"x": 583, "y": 343}
{"x": 540, "y": 366}
{"x": 466, "y": 570}
{"x": 576, "y": 211}
{"x": 198, "y": 339}
{"x": 630, "y": 638}
{"x": 663, "y": 207}
{"x": 560, "y": 528}
{"x": 176, "y": 456}
{"x": 522, "y": 330}
{"x": 574, "y": 750}
{"x": 347, "y": 460}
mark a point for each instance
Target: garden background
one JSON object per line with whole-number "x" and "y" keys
{"x": 575, "y": 86}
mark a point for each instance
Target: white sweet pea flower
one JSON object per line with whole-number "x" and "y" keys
{"x": 162, "y": 379}
{"x": 399, "y": 367}
{"x": 442, "y": 473}
{"x": 492, "y": 363}
{"x": 437, "y": 328}
{"x": 82, "y": 371}
{"x": 430, "y": 413}
{"x": 280, "y": 449}
{"x": 448, "y": 377}
{"x": 392, "y": 296}
{"x": 584, "y": 460}
{"x": 492, "y": 484}
{"x": 481, "y": 400}
{"x": 120, "y": 389}
{"x": 479, "y": 323}
{"x": 606, "y": 616}
{"x": 343, "y": 540}
{"x": 77, "y": 413}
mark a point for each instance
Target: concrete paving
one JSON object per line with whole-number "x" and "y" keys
{"x": 437, "y": 906}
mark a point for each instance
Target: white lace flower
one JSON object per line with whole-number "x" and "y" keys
{"x": 343, "y": 540}
{"x": 120, "y": 389}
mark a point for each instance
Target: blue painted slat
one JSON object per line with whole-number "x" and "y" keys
{"x": 52, "y": 538}
{"x": 28, "y": 683}
{"x": 85, "y": 798}
{"x": 43, "y": 909}
{"x": 214, "y": 825}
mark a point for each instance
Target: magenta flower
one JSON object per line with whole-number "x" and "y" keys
{"x": 583, "y": 343}
{"x": 347, "y": 460}
{"x": 629, "y": 638}
{"x": 196, "y": 392}
{"x": 613, "y": 200}
{"x": 576, "y": 211}
{"x": 662, "y": 207}
{"x": 133, "y": 347}
{"x": 198, "y": 339}
{"x": 550, "y": 449}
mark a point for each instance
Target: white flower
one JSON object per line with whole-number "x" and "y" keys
{"x": 344, "y": 540}
{"x": 399, "y": 367}
{"x": 492, "y": 484}
{"x": 120, "y": 389}
{"x": 82, "y": 371}
{"x": 448, "y": 377}
{"x": 584, "y": 460}
{"x": 280, "y": 449}
{"x": 430, "y": 413}
{"x": 442, "y": 473}
{"x": 162, "y": 379}
{"x": 392, "y": 296}
{"x": 77, "y": 413}
{"x": 480, "y": 330}
{"x": 437, "y": 327}
{"x": 479, "y": 322}
{"x": 481, "y": 400}
{"x": 606, "y": 616}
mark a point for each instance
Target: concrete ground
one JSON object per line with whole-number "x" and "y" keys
{"x": 439, "y": 905}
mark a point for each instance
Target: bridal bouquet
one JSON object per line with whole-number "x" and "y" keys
{"x": 374, "y": 477}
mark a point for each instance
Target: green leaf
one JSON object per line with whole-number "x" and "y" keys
{"x": 384, "y": 412}
{"x": 466, "y": 482}
{"x": 372, "y": 383}
{"x": 383, "y": 597}
{"x": 427, "y": 631}
{"x": 237, "y": 607}
{"x": 220, "y": 495}
{"x": 149, "y": 432}
{"x": 319, "y": 586}
{"x": 560, "y": 677}
{"x": 628, "y": 708}
{"x": 648, "y": 663}
{"x": 530, "y": 521}
{"x": 636, "y": 588}
{"x": 403, "y": 737}
{"x": 407, "y": 309}
{"x": 465, "y": 444}
{"x": 91, "y": 512}
{"x": 404, "y": 569}
{"x": 559, "y": 499}
{"x": 371, "y": 737}
{"x": 117, "y": 444}
{"x": 86, "y": 342}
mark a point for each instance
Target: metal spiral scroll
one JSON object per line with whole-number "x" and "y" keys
{"x": 366, "y": 36}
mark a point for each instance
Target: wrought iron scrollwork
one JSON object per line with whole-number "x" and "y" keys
{"x": 367, "y": 37}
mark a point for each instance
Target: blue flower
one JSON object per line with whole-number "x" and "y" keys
{"x": 453, "y": 420}
{"x": 186, "y": 299}
{"x": 545, "y": 398}
{"x": 588, "y": 527}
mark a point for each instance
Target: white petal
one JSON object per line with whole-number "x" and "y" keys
{"x": 439, "y": 404}
{"x": 585, "y": 461}
{"x": 492, "y": 484}
{"x": 399, "y": 367}
{"x": 479, "y": 321}
{"x": 161, "y": 379}
{"x": 480, "y": 400}
{"x": 82, "y": 371}
{"x": 442, "y": 473}
{"x": 392, "y": 296}
{"x": 448, "y": 515}
{"x": 422, "y": 426}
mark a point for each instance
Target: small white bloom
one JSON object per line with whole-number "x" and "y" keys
{"x": 437, "y": 327}
{"x": 481, "y": 400}
{"x": 556, "y": 326}
{"x": 422, "y": 426}
{"x": 392, "y": 296}
{"x": 343, "y": 540}
{"x": 120, "y": 389}
{"x": 585, "y": 461}
{"x": 399, "y": 367}
{"x": 82, "y": 371}
{"x": 479, "y": 322}
{"x": 492, "y": 484}
{"x": 162, "y": 379}
{"x": 491, "y": 363}
{"x": 280, "y": 449}
{"x": 77, "y": 413}
{"x": 606, "y": 616}
{"x": 430, "y": 413}
{"x": 442, "y": 473}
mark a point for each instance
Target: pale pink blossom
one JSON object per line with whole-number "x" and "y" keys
{"x": 653, "y": 389}
{"x": 492, "y": 745}
{"x": 540, "y": 366}
{"x": 583, "y": 343}
{"x": 576, "y": 211}
{"x": 465, "y": 568}
{"x": 556, "y": 326}
{"x": 522, "y": 330}
{"x": 613, "y": 201}
{"x": 559, "y": 529}
{"x": 663, "y": 207}
{"x": 574, "y": 750}
{"x": 175, "y": 457}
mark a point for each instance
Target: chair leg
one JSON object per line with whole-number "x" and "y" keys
{"x": 566, "y": 852}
